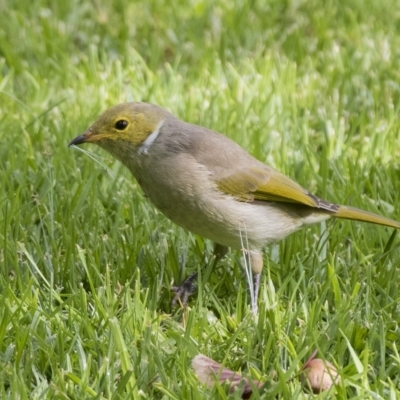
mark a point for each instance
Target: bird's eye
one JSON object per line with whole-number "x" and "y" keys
{"x": 121, "y": 124}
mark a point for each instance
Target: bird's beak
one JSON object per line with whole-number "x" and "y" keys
{"x": 84, "y": 138}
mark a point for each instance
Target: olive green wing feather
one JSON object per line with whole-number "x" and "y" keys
{"x": 266, "y": 184}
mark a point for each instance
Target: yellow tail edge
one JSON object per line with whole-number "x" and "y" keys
{"x": 356, "y": 214}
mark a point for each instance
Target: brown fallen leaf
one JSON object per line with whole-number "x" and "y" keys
{"x": 208, "y": 371}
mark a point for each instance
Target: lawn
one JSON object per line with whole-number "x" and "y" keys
{"x": 87, "y": 263}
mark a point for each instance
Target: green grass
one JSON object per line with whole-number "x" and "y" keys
{"x": 87, "y": 264}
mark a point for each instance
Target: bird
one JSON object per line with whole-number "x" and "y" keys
{"x": 209, "y": 185}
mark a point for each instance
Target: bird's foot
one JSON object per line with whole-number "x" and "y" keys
{"x": 183, "y": 291}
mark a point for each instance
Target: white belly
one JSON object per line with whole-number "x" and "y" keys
{"x": 236, "y": 224}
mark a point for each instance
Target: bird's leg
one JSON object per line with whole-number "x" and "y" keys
{"x": 256, "y": 263}
{"x": 187, "y": 287}
{"x": 256, "y": 288}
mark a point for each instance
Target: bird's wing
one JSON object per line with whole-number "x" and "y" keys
{"x": 266, "y": 184}
{"x": 240, "y": 175}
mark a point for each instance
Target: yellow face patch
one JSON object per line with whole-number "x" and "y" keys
{"x": 130, "y": 122}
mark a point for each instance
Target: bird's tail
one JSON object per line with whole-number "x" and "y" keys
{"x": 347, "y": 212}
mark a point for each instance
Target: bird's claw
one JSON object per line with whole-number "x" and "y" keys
{"x": 183, "y": 291}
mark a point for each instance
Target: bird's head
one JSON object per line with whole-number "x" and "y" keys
{"x": 125, "y": 127}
